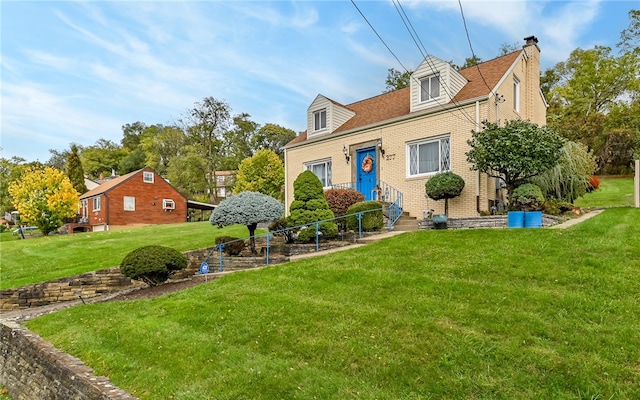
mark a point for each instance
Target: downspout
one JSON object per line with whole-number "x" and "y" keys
{"x": 106, "y": 203}
{"x": 286, "y": 214}
{"x": 478, "y": 172}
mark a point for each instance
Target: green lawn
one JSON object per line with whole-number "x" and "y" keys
{"x": 613, "y": 192}
{"x": 41, "y": 258}
{"x": 451, "y": 314}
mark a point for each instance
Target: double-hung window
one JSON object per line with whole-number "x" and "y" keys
{"x": 320, "y": 120}
{"x": 129, "y": 203}
{"x": 429, "y": 88}
{"x": 96, "y": 203}
{"x": 429, "y": 156}
{"x": 516, "y": 94}
{"x": 321, "y": 169}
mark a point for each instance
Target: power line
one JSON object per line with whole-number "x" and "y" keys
{"x": 464, "y": 22}
{"x": 425, "y": 55}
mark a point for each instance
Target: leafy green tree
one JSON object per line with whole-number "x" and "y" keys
{"x": 58, "y": 159}
{"x": 161, "y": 144}
{"x": 273, "y": 137}
{"x": 237, "y": 142}
{"x": 247, "y": 208}
{"x": 132, "y": 135}
{"x": 397, "y": 80}
{"x": 569, "y": 178}
{"x": 630, "y": 37}
{"x": 444, "y": 185}
{"x": 102, "y": 158}
{"x": 264, "y": 173}
{"x": 516, "y": 152}
{"x": 206, "y": 125}
{"x": 309, "y": 206}
{"x": 506, "y": 48}
{"x": 471, "y": 61}
{"x": 75, "y": 172}
{"x": 10, "y": 171}
{"x": 44, "y": 197}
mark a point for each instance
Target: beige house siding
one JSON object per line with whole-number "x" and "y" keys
{"x": 441, "y": 119}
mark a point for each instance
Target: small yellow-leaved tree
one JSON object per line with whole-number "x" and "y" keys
{"x": 44, "y": 197}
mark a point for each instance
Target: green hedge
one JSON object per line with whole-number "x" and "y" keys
{"x": 152, "y": 264}
{"x": 371, "y": 220}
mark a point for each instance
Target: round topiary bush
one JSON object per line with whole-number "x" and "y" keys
{"x": 445, "y": 185}
{"x": 309, "y": 206}
{"x": 372, "y": 217}
{"x": 527, "y": 197}
{"x": 233, "y": 245}
{"x": 152, "y": 264}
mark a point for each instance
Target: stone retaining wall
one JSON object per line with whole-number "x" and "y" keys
{"x": 491, "y": 221}
{"x": 31, "y": 368}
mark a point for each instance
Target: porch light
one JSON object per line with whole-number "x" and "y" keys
{"x": 379, "y": 146}
{"x": 345, "y": 151}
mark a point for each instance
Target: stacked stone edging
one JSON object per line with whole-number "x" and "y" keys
{"x": 490, "y": 221}
{"x": 31, "y": 368}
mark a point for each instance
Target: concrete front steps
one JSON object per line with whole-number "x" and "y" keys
{"x": 406, "y": 223}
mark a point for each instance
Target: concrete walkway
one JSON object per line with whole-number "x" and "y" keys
{"x": 574, "y": 221}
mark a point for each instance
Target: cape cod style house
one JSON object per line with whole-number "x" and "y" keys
{"x": 141, "y": 197}
{"x": 388, "y": 146}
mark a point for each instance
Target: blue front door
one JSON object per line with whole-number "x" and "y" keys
{"x": 366, "y": 172}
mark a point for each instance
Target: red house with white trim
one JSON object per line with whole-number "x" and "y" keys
{"x": 138, "y": 198}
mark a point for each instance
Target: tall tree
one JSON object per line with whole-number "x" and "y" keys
{"x": 161, "y": 144}
{"x": 44, "y": 197}
{"x": 206, "y": 124}
{"x": 263, "y": 173}
{"x": 516, "y": 152}
{"x": 10, "y": 171}
{"x": 102, "y": 158}
{"x": 237, "y": 141}
{"x": 273, "y": 137}
{"x": 132, "y": 135}
{"x": 630, "y": 37}
{"x": 75, "y": 172}
{"x": 396, "y": 80}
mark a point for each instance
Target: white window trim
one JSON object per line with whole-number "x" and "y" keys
{"x": 98, "y": 201}
{"x": 437, "y": 139}
{"x": 168, "y": 204}
{"x": 146, "y": 175}
{"x": 132, "y": 200}
{"x": 516, "y": 93}
{"x": 429, "y": 98}
{"x": 328, "y": 170}
{"x": 319, "y": 113}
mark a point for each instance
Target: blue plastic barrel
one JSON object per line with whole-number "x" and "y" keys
{"x": 533, "y": 219}
{"x": 515, "y": 219}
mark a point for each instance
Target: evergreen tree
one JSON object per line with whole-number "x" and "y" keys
{"x": 75, "y": 171}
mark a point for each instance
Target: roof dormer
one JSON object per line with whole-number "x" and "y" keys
{"x": 434, "y": 83}
{"x": 325, "y": 116}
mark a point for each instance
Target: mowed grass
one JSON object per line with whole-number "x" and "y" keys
{"x": 464, "y": 314}
{"x": 43, "y": 258}
{"x": 613, "y": 192}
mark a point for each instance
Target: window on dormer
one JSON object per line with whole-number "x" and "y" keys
{"x": 429, "y": 88}
{"x": 320, "y": 120}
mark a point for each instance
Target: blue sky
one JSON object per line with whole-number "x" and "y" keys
{"x": 76, "y": 71}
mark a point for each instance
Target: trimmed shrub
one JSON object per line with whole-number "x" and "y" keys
{"x": 371, "y": 220}
{"x": 234, "y": 247}
{"x": 445, "y": 185}
{"x": 309, "y": 206}
{"x": 153, "y": 264}
{"x": 527, "y": 197}
{"x": 340, "y": 200}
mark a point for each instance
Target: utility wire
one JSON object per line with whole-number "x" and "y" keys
{"x": 425, "y": 55}
{"x": 464, "y": 22}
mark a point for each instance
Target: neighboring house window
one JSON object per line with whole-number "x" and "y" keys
{"x": 222, "y": 192}
{"x": 85, "y": 209}
{"x": 129, "y": 203}
{"x": 96, "y": 203}
{"x": 516, "y": 94}
{"x": 168, "y": 204}
{"x": 430, "y": 88}
{"x": 320, "y": 120}
{"x": 147, "y": 177}
{"x": 429, "y": 156}
{"x": 322, "y": 169}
